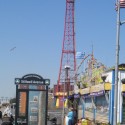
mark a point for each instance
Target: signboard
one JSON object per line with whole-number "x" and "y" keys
{"x": 85, "y": 91}
{"x": 71, "y": 93}
{"x": 34, "y": 107}
{"x": 22, "y": 104}
{"x": 97, "y": 88}
{"x": 76, "y": 91}
{"x": 33, "y": 118}
{"x": 23, "y": 86}
{"x": 31, "y": 99}
{"x": 32, "y": 79}
{"x": 97, "y": 93}
{"x": 123, "y": 87}
{"x": 34, "y": 110}
{"x": 107, "y": 86}
{"x": 61, "y": 93}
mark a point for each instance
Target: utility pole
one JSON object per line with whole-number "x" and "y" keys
{"x": 116, "y": 65}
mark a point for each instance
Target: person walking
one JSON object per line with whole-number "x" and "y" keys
{"x": 70, "y": 117}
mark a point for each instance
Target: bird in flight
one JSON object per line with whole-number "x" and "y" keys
{"x": 12, "y": 48}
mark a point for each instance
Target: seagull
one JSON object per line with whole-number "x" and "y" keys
{"x": 12, "y": 48}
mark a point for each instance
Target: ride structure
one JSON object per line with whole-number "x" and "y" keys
{"x": 92, "y": 74}
{"x": 68, "y": 60}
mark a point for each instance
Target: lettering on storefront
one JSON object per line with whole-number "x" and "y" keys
{"x": 84, "y": 91}
{"x": 97, "y": 88}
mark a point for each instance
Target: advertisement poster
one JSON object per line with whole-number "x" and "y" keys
{"x": 22, "y": 104}
{"x": 33, "y": 107}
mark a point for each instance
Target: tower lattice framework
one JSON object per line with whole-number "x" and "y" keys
{"x": 69, "y": 45}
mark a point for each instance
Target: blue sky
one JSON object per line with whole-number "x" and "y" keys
{"x": 36, "y": 27}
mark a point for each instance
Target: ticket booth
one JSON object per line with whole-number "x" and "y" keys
{"x": 31, "y": 100}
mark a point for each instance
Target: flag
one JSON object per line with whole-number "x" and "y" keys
{"x": 122, "y": 3}
{"x": 57, "y": 102}
{"x": 80, "y": 55}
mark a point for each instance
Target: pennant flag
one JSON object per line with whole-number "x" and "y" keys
{"x": 65, "y": 104}
{"x": 57, "y": 102}
{"x": 80, "y": 55}
{"x": 122, "y": 3}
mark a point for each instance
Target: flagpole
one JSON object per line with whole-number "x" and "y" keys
{"x": 116, "y": 64}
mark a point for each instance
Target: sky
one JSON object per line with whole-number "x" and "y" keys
{"x": 34, "y": 28}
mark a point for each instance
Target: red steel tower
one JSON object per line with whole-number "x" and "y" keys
{"x": 68, "y": 46}
{"x": 68, "y": 50}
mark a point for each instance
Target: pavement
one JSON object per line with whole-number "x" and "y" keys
{"x": 55, "y": 114}
{"x": 52, "y": 114}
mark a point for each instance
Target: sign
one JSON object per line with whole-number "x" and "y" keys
{"x": 31, "y": 99}
{"x": 35, "y": 98}
{"x": 33, "y": 118}
{"x": 123, "y": 87}
{"x": 34, "y": 110}
{"x": 61, "y": 93}
{"x": 32, "y": 79}
{"x": 97, "y": 93}
{"x": 85, "y": 91}
{"x": 41, "y": 87}
{"x": 71, "y": 93}
{"x": 76, "y": 96}
{"x": 23, "y": 86}
{"x": 97, "y": 88}
{"x": 94, "y": 94}
{"x": 107, "y": 86}
{"x": 76, "y": 91}
{"x": 22, "y": 104}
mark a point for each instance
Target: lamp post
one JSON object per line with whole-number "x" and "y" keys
{"x": 66, "y": 89}
{"x": 67, "y": 81}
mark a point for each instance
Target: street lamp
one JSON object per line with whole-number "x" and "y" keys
{"x": 67, "y": 81}
{"x": 66, "y": 89}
